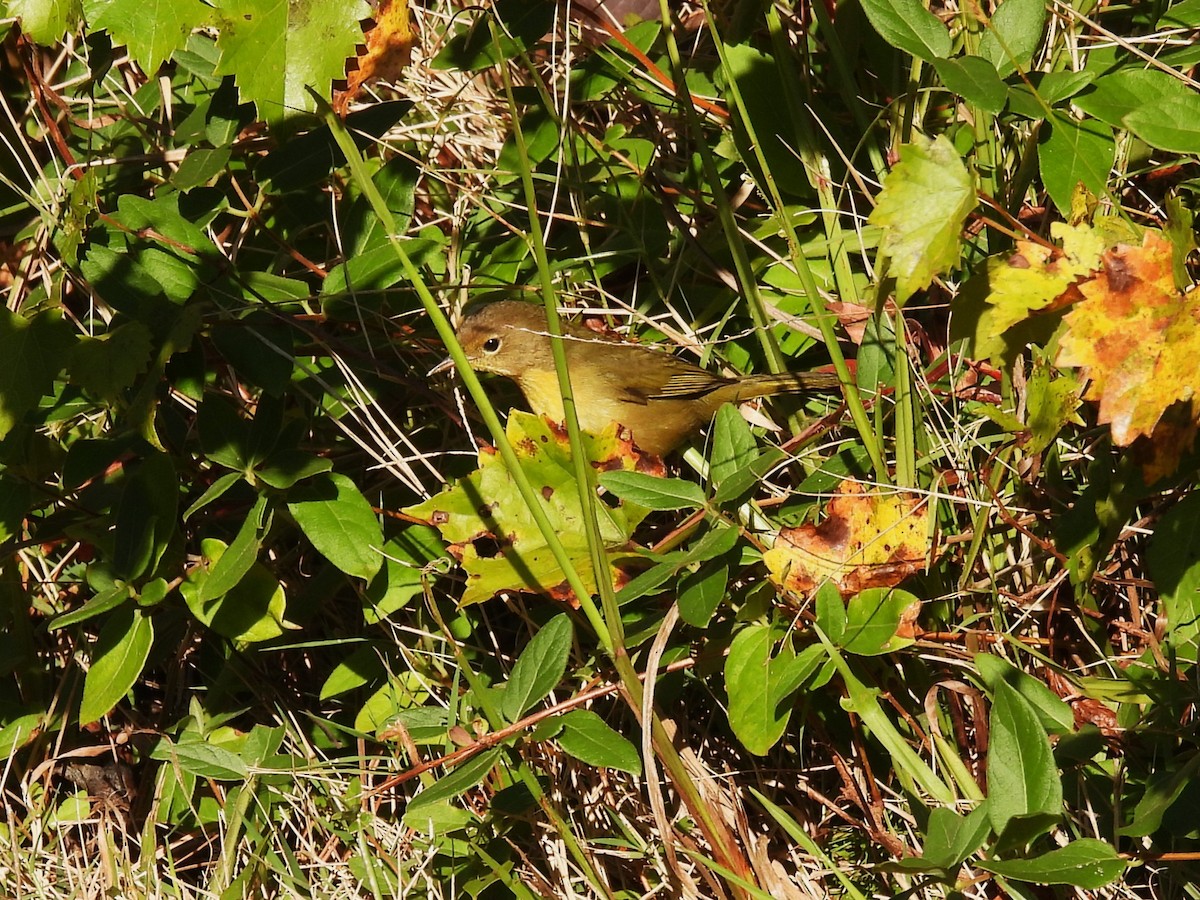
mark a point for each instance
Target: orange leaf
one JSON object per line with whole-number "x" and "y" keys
{"x": 1138, "y": 337}
{"x": 867, "y": 540}
{"x": 389, "y": 49}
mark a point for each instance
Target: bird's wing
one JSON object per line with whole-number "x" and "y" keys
{"x": 673, "y": 379}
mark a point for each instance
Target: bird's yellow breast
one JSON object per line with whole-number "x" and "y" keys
{"x": 595, "y": 405}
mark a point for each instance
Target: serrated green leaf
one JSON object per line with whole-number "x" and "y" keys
{"x": 45, "y": 21}
{"x": 33, "y": 351}
{"x": 274, "y": 50}
{"x": 106, "y": 365}
{"x": 152, "y": 30}
{"x": 925, "y": 201}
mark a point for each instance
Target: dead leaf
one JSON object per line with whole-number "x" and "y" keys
{"x": 868, "y": 539}
{"x": 389, "y": 46}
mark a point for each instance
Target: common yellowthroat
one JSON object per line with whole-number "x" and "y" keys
{"x": 662, "y": 400}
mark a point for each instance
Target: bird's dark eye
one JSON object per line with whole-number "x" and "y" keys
{"x": 491, "y": 345}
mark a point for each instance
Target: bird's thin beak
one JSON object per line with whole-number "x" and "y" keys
{"x": 444, "y": 366}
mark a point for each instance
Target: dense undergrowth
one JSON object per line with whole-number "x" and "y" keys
{"x": 274, "y": 624}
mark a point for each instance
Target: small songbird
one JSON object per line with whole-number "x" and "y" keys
{"x": 661, "y": 399}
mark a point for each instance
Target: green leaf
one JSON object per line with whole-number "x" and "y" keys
{"x": 586, "y": 737}
{"x": 1053, "y": 712}
{"x": 1052, "y": 398}
{"x": 521, "y": 24}
{"x": 118, "y": 657}
{"x": 1071, "y": 152}
{"x": 951, "y": 838}
{"x": 733, "y": 445}
{"x": 909, "y": 26}
{"x": 258, "y": 345}
{"x": 224, "y": 434}
{"x": 16, "y": 498}
{"x": 288, "y": 467}
{"x": 146, "y": 516}
{"x": 1162, "y": 790}
{"x": 539, "y": 668}
{"x": 831, "y": 612}
{"x": 1085, "y": 863}
{"x": 872, "y": 618}
{"x": 1173, "y": 561}
{"x": 20, "y": 727}
{"x": 925, "y": 201}
{"x": 701, "y": 592}
{"x": 152, "y": 30}
{"x": 652, "y": 492}
{"x": 200, "y": 167}
{"x": 975, "y": 80}
{"x": 403, "y": 575}
{"x": 33, "y": 351}
{"x": 1013, "y": 35}
{"x": 201, "y": 758}
{"x": 45, "y": 21}
{"x": 249, "y": 612}
{"x": 240, "y": 556}
{"x": 1172, "y": 123}
{"x": 1113, "y": 97}
{"x": 101, "y": 603}
{"x": 1024, "y": 789}
{"x": 396, "y": 183}
{"x": 106, "y": 365}
{"x": 360, "y": 668}
{"x": 274, "y": 50}
{"x": 761, "y": 685}
{"x": 213, "y": 493}
{"x": 340, "y": 523}
{"x": 466, "y": 776}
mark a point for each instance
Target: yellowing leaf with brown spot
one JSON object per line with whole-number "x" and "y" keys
{"x": 1033, "y": 278}
{"x": 492, "y": 532}
{"x": 868, "y": 539}
{"x": 1138, "y": 337}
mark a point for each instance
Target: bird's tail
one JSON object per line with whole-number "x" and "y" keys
{"x": 786, "y": 383}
